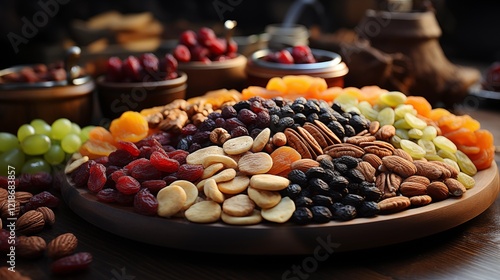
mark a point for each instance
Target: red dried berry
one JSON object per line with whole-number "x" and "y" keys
{"x": 107, "y": 195}
{"x": 117, "y": 174}
{"x": 130, "y": 147}
{"x": 120, "y": 157}
{"x": 188, "y": 38}
{"x": 114, "y": 69}
{"x": 190, "y": 172}
{"x": 97, "y": 178}
{"x": 178, "y": 155}
{"x": 145, "y": 172}
{"x": 102, "y": 160}
{"x": 110, "y": 169}
{"x": 182, "y": 53}
{"x": 163, "y": 163}
{"x": 145, "y": 203}
{"x": 70, "y": 264}
{"x": 154, "y": 186}
{"x": 42, "y": 199}
{"x": 80, "y": 175}
{"x": 135, "y": 163}
{"x": 189, "y": 129}
{"x": 127, "y": 185}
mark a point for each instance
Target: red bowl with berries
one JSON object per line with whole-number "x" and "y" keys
{"x": 265, "y": 64}
{"x": 44, "y": 91}
{"x": 209, "y": 61}
{"x": 137, "y": 83}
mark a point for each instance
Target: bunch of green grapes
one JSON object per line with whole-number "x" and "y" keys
{"x": 38, "y": 145}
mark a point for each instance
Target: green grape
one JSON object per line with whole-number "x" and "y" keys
{"x": 415, "y": 133}
{"x": 446, "y": 154}
{"x": 60, "y": 128}
{"x": 37, "y": 144}
{"x": 41, "y": 126}
{"x": 76, "y": 129}
{"x": 71, "y": 143}
{"x": 466, "y": 180}
{"x": 24, "y": 130}
{"x": 428, "y": 146}
{"x": 402, "y": 133}
{"x": 401, "y": 110}
{"x": 415, "y": 121}
{"x": 401, "y": 124}
{"x": 429, "y": 132}
{"x": 36, "y": 165}
{"x": 412, "y": 148}
{"x": 8, "y": 141}
{"x": 386, "y": 116}
{"x": 55, "y": 155}
{"x": 393, "y": 98}
{"x": 14, "y": 158}
{"x": 452, "y": 163}
{"x": 84, "y": 134}
{"x": 466, "y": 165}
{"x": 444, "y": 143}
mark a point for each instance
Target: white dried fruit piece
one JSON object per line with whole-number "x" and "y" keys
{"x": 212, "y": 191}
{"x": 228, "y": 162}
{"x": 261, "y": 140}
{"x": 210, "y": 170}
{"x": 75, "y": 164}
{"x": 223, "y": 176}
{"x": 198, "y": 156}
{"x": 269, "y": 182}
{"x": 251, "y": 219}
{"x": 238, "y": 206}
{"x": 171, "y": 200}
{"x": 264, "y": 199}
{"x": 191, "y": 192}
{"x": 255, "y": 163}
{"x": 280, "y": 213}
{"x": 204, "y": 212}
{"x": 235, "y": 186}
{"x": 238, "y": 145}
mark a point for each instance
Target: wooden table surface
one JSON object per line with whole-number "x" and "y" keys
{"x": 469, "y": 251}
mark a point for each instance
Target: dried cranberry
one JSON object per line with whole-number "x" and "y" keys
{"x": 117, "y": 174}
{"x": 114, "y": 69}
{"x": 102, "y": 160}
{"x": 232, "y": 47}
{"x": 145, "y": 171}
{"x": 178, "y": 155}
{"x": 163, "y": 162}
{"x": 120, "y": 157}
{"x": 170, "y": 64}
{"x": 218, "y": 47}
{"x": 80, "y": 175}
{"x": 132, "y": 69}
{"x": 97, "y": 178}
{"x": 302, "y": 54}
{"x": 145, "y": 203}
{"x": 135, "y": 163}
{"x": 190, "y": 172}
{"x": 107, "y": 195}
{"x": 70, "y": 264}
{"x": 182, "y": 53}
{"x": 128, "y": 185}
{"x": 130, "y": 147}
{"x": 198, "y": 53}
{"x": 149, "y": 63}
{"x": 188, "y": 38}
{"x": 154, "y": 186}
{"x": 44, "y": 198}
{"x": 206, "y": 36}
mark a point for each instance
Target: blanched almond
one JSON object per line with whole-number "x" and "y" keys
{"x": 255, "y": 163}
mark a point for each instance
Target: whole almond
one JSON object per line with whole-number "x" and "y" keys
{"x": 437, "y": 190}
{"x": 5, "y": 273}
{"x": 373, "y": 159}
{"x": 279, "y": 139}
{"x": 63, "y": 245}
{"x": 304, "y": 164}
{"x": 394, "y": 204}
{"x": 418, "y": 179}
{"x": 385, "y": 132}
{"x": 23, "y": 197}
{"x": 48, "y": 215}
{"x": 455, "y": 187}
{"x": 427, "y": 169}
{"x": 8, "y": 211}
{"x": 453, "y": 171}
{"x": 399, "y": 165}
{"x": 30, "y": 247}
{"x": 410, "y": 189}
{"x": 402, "y": 153}
{"x": 30, "y": 222}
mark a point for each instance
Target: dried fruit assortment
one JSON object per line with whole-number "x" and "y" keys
{"x": 246, "y": 159}
{"x": 145, "y": 68}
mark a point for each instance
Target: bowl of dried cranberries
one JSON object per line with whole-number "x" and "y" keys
{"x": 139, "y": 82}
{"x": 211, "y": 62}
{"x": 265, "y": 64}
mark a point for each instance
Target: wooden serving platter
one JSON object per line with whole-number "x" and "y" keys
{"x": 288, "y": 239}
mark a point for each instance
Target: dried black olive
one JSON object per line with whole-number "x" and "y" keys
{"x": 353, "y": 199}
{"x": 302, "y": 216}
{"x": 286, "y": 122}
{"x": 318, "y": 186}
{"x": 244, "y": 104}
{"x": 355, "y": 175}
{"x": 298, "y": 177}
{"x": 370, "y": 193}
{"x": 368, "y": 209}
{"x": 275, "y": 111}
{"x": 349, "y": 130}
{"x": 303, "y": 201}
{"x": 292, "y": 191}
{"x": 322, "y": 200}
{"x": 345, "y": 213}
{"x": 321, "y": 214}
{"x": 337, "y": 129}
{"x": 338, "y": 183}
{"x": 287, "y": 111}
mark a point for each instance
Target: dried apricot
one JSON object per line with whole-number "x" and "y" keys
{"x": 470, "y": 123}
{"x": 437, "y": 113}
{"x": 462, "y": 136}
{"x": 330, "y": 94}
{"x": 469, "y": 150}
{"x": 297, "y": 84}
{"x": 100, "y": 133}
{"x": 484, "y": 158}
{"x": 130, "y": 126}
{"x": 420, "y": 104}
{"x": 283, "y": 157}
{"x": 96, "y": 148}
{"x": 484, "y": 138}
{"x": 276, "y": 84}
{"x": 371, "y": 94}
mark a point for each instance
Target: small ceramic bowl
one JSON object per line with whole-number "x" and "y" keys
{"x": 20, "y": 103}
{"x": 116, "y": 98}
{"x": 203, "y": 77}
{"x": 329, "y": 67}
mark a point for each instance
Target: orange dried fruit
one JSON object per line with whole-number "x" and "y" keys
{"x": 130, "y": 126}
{"x": 330, "y": 94}
{"x": 484, "y": 158}
{"x": 462, "y": 136}
{"x": 485, "y": 139}
{"x": 276, "y": 84}
{"x": 96, "y": 148}
{"x": 318, "y": 85}
{"x": 470, "y": 123}
{"x": 420, "y": 104}
{"x": 371, "y": 94}
{"x": 100, "y": 133}
{"x": 297, "y": 85}
{"x": 437, "y": 113}
{"x": 283, "y": 157}
{"x": 469, "y": 150}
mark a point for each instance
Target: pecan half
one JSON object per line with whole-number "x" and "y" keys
{"x": 399, "y": 165}
{"x": 328, "y": 132}
{"x": 313, "y": 144}
{"x": 373, "y": 159}
{"x": 294, "y": 140}
{"x": 367, "y": 170}
{"x": 358, "y": 139}
{"x": 394, "y": 204}
{"x": 317, "y": 134}
{"x": 344, "y": 149}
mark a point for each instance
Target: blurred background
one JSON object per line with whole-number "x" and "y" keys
{"x": 38, "y": 30}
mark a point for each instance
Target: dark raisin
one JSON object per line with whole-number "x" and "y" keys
{"x": 322, "y": 200}
{"x": 275, "y": 111}
{"x": 306, "y": 192}
{"x": 245, "y": 104}
{"x": 350, "y": 161}
{"x": 335, "y": 195}
{"x": 206, "y": 126}
{"x": 79, "y": 176}
{"x": 183, "y": 145}
{"x": 145, "y": 203}
{"x": 355, "y": 176}
{"x": 338, "y": 182}
{"x": 239, "y": 131}
{"x": 329, "y": 175}
{"x": 341, "y": 167}
{"x": 318, "y": 186}
{"x": 220, "y": 122}
{"x": 311, "y": 107}
{"x": 345, "y": 213}
{"x": 303, "y": 201}
{"x": 297, "y": 107}
{"x": 302, "y": 216}
{"x": 326, "y": 117}
{"x": 337, "y": 108}
{"x": 312, "y": 117}
{"x": 228, "y": 112}
{"x": 268, "y": 103}
{"x": 337, "y": 129}
{"x": 321, "y": 214}
{"x": 254, "y": 132}
{"x": 315, "y": 172}
{"x": 256, "y": 106}
{"x": 359, "y": 123}
{"x": 341, "y": 119}
{"x": 120, "y": 158}
{"x": 97, "y": 178}
{"x": 354, "y": 187}
{"x": 368, "y": 209}
{"x": 370, "y": 193}
{"x": 233, "y": 123}
{"x": 279, "y": 101}
{"x": 300, "y": 100}
{"x": 349, "y": 130}
{"x": 300, "y": 118}
{"x": 44, "y": 198}
{"x": 286, "y": 111}
{"x": 214, "y": 115}
{"x": 154, "y": 186}
{"x": 293, "y": 191}
{"x": 286, "y": 122}
{"x": 194, "y": 147}
{"x": 246, "y": 116}
{"x": 263, "y": 119}
{"x": 107, "y": 195}
{"x": 326, "y": 163}
{"x": 353, "y": 199}
{"x": 298, "y": 177}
